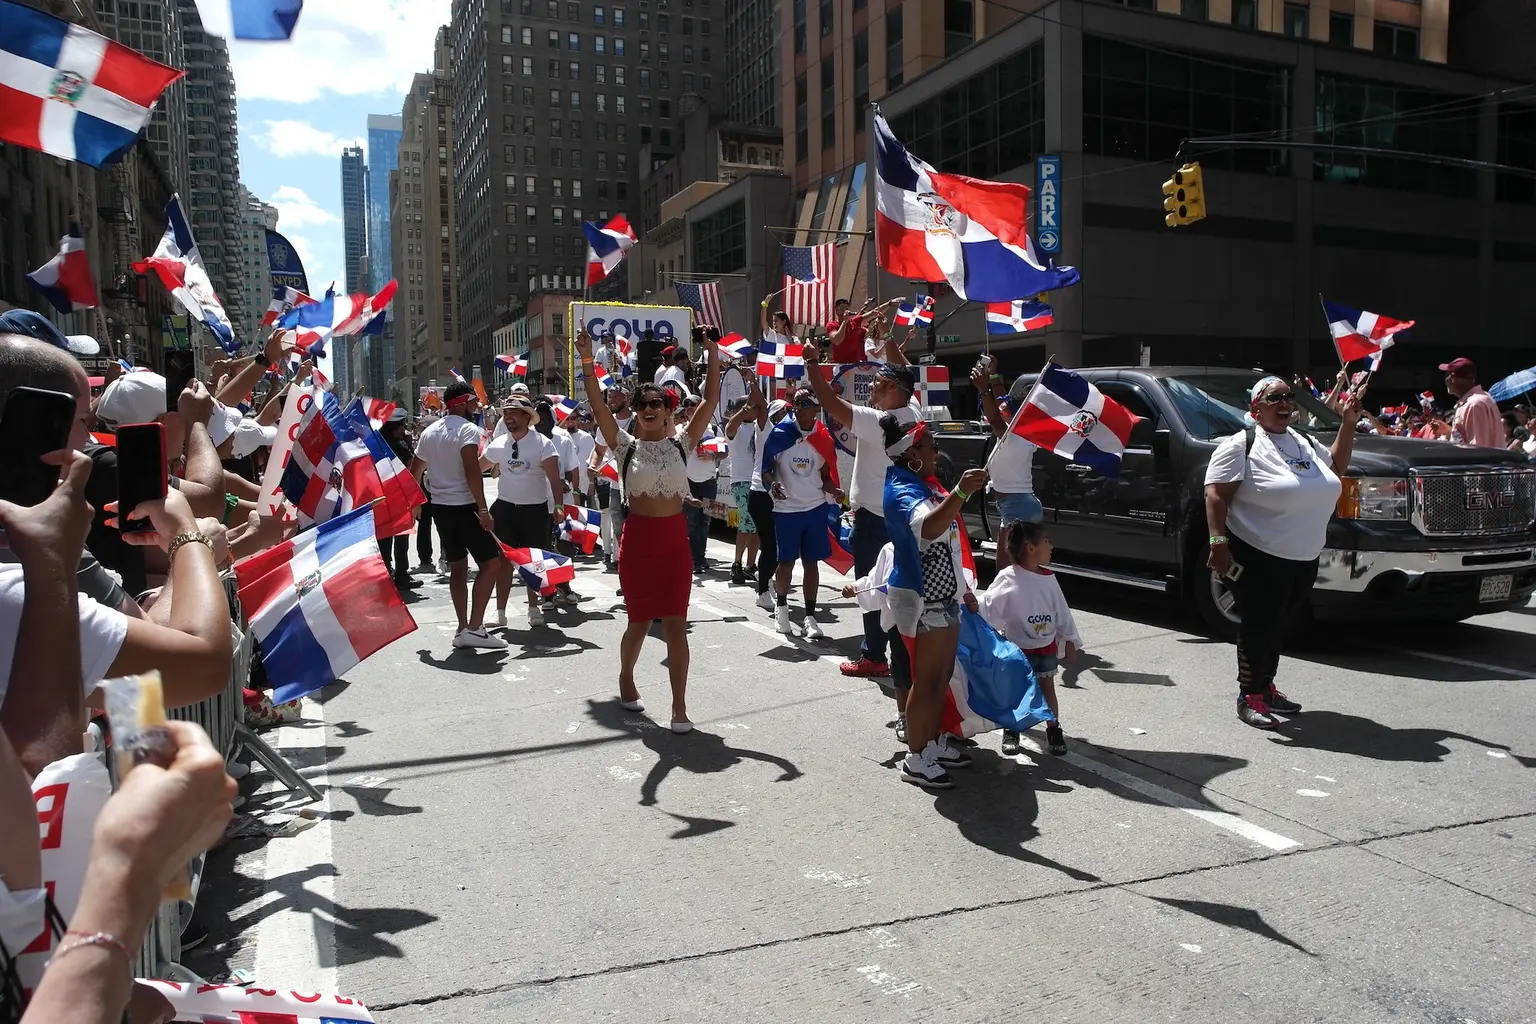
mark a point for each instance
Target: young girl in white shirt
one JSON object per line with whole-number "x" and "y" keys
{"x": 870, "y": 593}
{"x": 1026, "y": 605}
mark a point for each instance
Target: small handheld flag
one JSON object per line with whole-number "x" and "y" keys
{"x": 734, "y": 346}
{"x": 1018, "y": 316}
{"x": 932, "y": 385}
{"x": 1067, "y": 415}
{"x": 582, "y": 527}
{"x": 607, "y": 245}
{"x": 540, "y": 569}
{"x": 780, "y": 359}
{"x": 1359, "y": 334}
{"x": 917, "y": 312}
{"x": 66, "y": 280}
{"x": 713, "y": 446}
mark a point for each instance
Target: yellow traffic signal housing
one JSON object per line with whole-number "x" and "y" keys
{"x": 1185, "y": 196}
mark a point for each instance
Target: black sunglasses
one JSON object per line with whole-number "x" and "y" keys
{"x": 1279, "y": 398}
{"x": 641, "y": 405}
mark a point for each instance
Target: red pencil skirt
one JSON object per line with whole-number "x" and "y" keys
{"x": 655, "y": 566}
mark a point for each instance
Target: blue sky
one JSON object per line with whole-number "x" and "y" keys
{"x": 303, "y": 101}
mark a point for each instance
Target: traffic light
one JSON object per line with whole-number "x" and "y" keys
{"x": 1185, "y": 196}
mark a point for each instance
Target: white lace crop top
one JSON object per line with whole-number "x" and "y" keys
{"x": 658, "y": 469}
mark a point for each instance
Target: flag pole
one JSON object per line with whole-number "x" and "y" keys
{"x": 1050, "y": 359}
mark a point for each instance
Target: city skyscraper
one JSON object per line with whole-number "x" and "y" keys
{"x": 354, "y": 224}
{"x": 384, "y": 131}
{"x": 555, "y": 106}
{"x": 154, "y": 29}
{"x": 255, "y": 279}
{"x": 752, "y": 62}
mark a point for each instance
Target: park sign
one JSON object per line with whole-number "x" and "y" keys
{"x": 626, "y": 321}
{"x": 1048, "y": 204}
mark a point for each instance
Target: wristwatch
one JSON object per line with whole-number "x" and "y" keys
{"x": 261, "y": 360}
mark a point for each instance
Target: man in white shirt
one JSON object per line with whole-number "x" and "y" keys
{"x": 608, "y": 497}
{"x": 674, "y": 367}
{"x": 450, "y": 451}
{"x": 801, "y": 482}
{"x": 891, "y": 392}
{"x": 586, "y": 443}
{"x": 527, "y": 468}
{"x": 741, "y": 432}
{"x": 559, "y": 497}
{"x": 703, "y": 486}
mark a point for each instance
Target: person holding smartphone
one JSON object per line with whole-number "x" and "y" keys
{"x": 1269, "y": 493}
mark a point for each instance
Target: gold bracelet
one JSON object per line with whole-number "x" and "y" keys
{"x": 76, "y": 940}
{"x": 182, "y": 540}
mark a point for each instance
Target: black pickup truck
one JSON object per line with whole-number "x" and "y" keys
{"x": 1425, "y": 529}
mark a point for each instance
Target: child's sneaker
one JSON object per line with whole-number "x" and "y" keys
{"x": 1011, "y": 746}
{"x": 1055, "y": 738}
{"x": 901, "y": 728}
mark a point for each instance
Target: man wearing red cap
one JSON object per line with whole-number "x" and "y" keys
{"x": 1476, "y": 420}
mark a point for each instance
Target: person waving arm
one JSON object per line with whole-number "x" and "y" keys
{"x": 705, "y": 412}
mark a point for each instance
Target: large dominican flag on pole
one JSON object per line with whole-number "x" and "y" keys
{"x": 606, "y": 246}
{"x": 1358, "y": 334}
{"x": 948, "y": 227}
{"x": 69, "y": 92}
{"x": 321, "y": 603}
{"x": 179, "y": 266}
{"x": 1069, "y": 416}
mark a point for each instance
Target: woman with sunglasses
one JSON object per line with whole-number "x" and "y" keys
{"x": 1269, "y": 493}
{"x": 655, "y": 563}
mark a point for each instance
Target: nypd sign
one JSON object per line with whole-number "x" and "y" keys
{"x": 1048, "y": 204}
{"x": 669, "y": 322}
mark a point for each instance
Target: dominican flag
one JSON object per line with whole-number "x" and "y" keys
{"x": 539, "y": 569}
{"x": 1426, "y": 399}
{"x": 948, "y": 227}
{"x": 321, "y": 380}
{"x": 1018, "y": 316}
{"x": 265, "y": 19}
{"x": 458, "y": 378}
{"x": 1069, "y": 416}
{"x": 69, "y": 92}
{"x": 283, "y": 299}
{"x": 840, "y": 532}
{"x": 582, "y": 527}
{"x": 781, "y": 359}
{"x": 606, "y": 246}
{"x": 932, "y": 384}
{"x": 563, "y": 408}
{"x": 340, "y": 463}
{"x": 734, "y": 346}
{"x": 508, "y": 363}
{"x": 787, "y": 433}
{"x": 1362, "y": 335}
{"x": 609, "y": 470}
{"x": 810, "y": 282}
{"x": 604, "y": 381}
{"x": 179, "y": 266}
{"x": 321, "y": 603}
{"x": 66, "y": 280}
{"x": 335, "y": 316}
{"x": 919, "y": 311}
{"x": 375, "y": 410}
{"x": 703, "y": 299}
{"x": 713, "y": 446}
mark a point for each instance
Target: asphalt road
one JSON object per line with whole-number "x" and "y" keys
{"x": 500, "y": 841}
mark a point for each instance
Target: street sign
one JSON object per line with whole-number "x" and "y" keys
{"x": 949, "y": 339}
{"x": 1048, "y": 204}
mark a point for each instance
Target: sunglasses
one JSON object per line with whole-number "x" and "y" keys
{"x": 1278, "y": 398}
{"x": 514, "y": 448}
{"x": 641, "y": 405}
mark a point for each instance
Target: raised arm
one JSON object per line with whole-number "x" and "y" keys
{"x": 705, "y": 413}
{"x": 600, "y": 411}
{"x": 830, "y": 400}
{"x": 763, "y": 312}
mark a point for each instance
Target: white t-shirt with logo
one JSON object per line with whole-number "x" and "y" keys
{"x": 798, "y": 471}
{"x": 440, "y": 447}
{"x": 1287, "y": 495}
{"x": 1029, "y": 609}
{"x": 743, "y": 455}
{"x": 565, "y": 448}
{"x": 521, "y": 480}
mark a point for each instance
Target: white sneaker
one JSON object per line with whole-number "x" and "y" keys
{"x": 499, "y": 620}
{"x": 923, "y": 770}
{"x": 813, "y": 629}
{"x": 535, "y": 616}
{"x": 765, "y": 600}
{"x": 479, "y": 639}
{"x": 948, "y": 752}
{"x": 781, "y": 614}
{"x": 442, "y": 567}
{"x": 567, "y": 599}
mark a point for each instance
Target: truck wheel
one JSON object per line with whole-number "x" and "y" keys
{"x": 1214, "y": 602}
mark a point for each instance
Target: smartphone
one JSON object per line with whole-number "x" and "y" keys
{"x": 34, "y": 423}
{"x": 180, "y": 367}
{"x": 1234, "y": 572}
{"x": 141, "y": 471}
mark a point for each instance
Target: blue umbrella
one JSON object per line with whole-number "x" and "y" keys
{"x": 1514, "y": 385}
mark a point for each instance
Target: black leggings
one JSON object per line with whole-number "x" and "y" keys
{"x": 760, "y": 508}
{"x": 1270, "y": 594}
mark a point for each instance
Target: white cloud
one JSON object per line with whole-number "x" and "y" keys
{"x": 300, "y": 138}
{"x": 312, "y": 264}
{"x": 296, "y": 210}
{"x": 340, "y": 46}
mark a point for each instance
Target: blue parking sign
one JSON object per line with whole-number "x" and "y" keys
{"x": 1048, "y": 204}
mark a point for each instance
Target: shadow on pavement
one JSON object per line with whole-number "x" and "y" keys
{"x": 1241, "y": 918}
{"x": 1352, "y": 734}
{"x": 484, "y": 663}
{"x": 700, "y": 752}
{"x": 1196, "y": 768}
{"x": 375, "y": 802}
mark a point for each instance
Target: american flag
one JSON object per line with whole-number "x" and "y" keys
{"x": 810, "y": 282}
{"x": 703, "y": 299}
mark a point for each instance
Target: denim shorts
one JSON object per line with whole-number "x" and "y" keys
{"x": 1044, "y": 664}
{"x": 914, "y": 616}
{"x": 1018, "y": 508}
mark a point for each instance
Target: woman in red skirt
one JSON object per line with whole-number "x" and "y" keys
{"x": 655, "y": 563}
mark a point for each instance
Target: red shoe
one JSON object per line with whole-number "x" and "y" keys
{"x": 865, "y": 668}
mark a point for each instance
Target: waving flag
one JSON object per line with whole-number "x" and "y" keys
{"x": 542, "y": 570}
{"x": 1069, "y": 416}
{"x": 932, "y": 384}
{"x": 69, "y": 92}
{"x": 335, "y": 316}
{"x": 713, "y": 446}
{"x": 918, "y": 311}
{"x": 321, "y": 603}
{"x": 734, "y": 346}
{"x": 703, "y": 299}
{"x": 458, "y": 378}
{"x": 948, "y": 227}
{"x": 609, "y": 470}
{"x": 339, "y": 463}
{"x": 840, "y": 532}
{"x": 265, "y": 19}
{"x": 375, "y": 410}
{"x": 179, "y": 266}
{"x": 1426, "y": 400}
{"x": 66, "y": 280}
{"x": 1018, "y": 316}
{"x": 604, "y": 381}
{"x": 321, "y": 380}
{"x": 783, "y": 359}
{"x": 787, "y": 433}
{"x": 607, "y": 245}
{"x": 517, "y": 365}
{"x": 810, "y": 282}
{"x": 993, "y": 685}
{"x": 563, "y": 407}
{"x": 581, "y": 527}
{"x": 1361, "y": 335}
{"x": 283, "y": 299}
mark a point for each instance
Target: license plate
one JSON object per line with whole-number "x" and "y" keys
{"x": 1495, "y": 588}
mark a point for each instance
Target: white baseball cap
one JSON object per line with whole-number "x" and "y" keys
{"x": 249, "y": 436}
{"x": 226, "y": 420}
{"x": 137, "y": 397}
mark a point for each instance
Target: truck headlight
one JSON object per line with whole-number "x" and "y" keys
{"x": 1374, "y": 497}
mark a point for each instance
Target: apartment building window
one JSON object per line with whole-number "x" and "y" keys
{"x": 618, "y": 74}
{"x": 530, "y": 185}
{"x": 573, "y": 41}
{"x": 527, "y": 36}
{"x": 575, "y": 128}
{"x": 559, "y": 249}
{"x": 555, "y": 157}
{"x": 860, "y": 77}
{"x": 687, "y": 26}
{"x": 528, "y": 124}
{"x": 532, "y": 245}
{"x": 1397, "y": 40}
{"x": 575, "y": 188}
{"x": 1296, "y": 19}
{"x": 621, "y": 190}
{"x": 1354, "y": 112}
{"x": 599, "y": 44}
{"x": 575, "y": 159}
{"x": 802, "y": 115}
{"x": 1245, "y": 13}
{"x": 645, "y": 135}
{"x": 720, "y": 240}
{"x": 531, "y": 214}
{"x": 527, "y": 95}
{"x": 554, "y": 39}
{"x": 600, "y": 74}
{"x": 620, "y": 133}
{"x": 618, "y": 104}
{"x": 510, "y": 182}
{"x": 598, "y": 16}
{"x": 509, "y": 153}
{"x": 511, "y": 244}
{"x": 893, "y": 58}
{"x": 506, "y": 35}
{"x": 527, "y": 6}
{"x": 645, "y": 52}
{"x": 602, "y": 189}
{"x": 663, "y": 23}
{"x": 618, "y": 46}
{"x": 704, "y": 27}
{"x": 510, "y": 213}
{"x": 799, "y": 26}
{"x": 573, "y": 12}
{"x": 602, "y": 160}
{"x": 554, "y": 128}
{"x": 959, "y": 25}
{"x": 602, "y": 131}
{"x": 687, "y": 52}
{"x": 554, "y": 98}
{"x": 618, "y": 17}
{"x": 530, "y": 154}
{"x": 664, "y": 109}
{"x": 621, "y": 161}
{"x": 573, "y": 101}
{"x": 554, "y": 68}
{"x": 602, "y": 106}
{"x": 573, "y": 70}
{"x": 528, "y": 67}
{"x": 687, "y": 81}
{"x": 557, "y": 188}
{"x": 828, "y": 106}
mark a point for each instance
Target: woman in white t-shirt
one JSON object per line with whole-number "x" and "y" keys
{"x": 776, "y": 328}
{"x": 526, "y": 465}
{"x": 1012, "y": 468}
{"x": 1269, "y": 493}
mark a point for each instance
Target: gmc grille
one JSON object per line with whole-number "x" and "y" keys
{"x": 1473, "y": 503}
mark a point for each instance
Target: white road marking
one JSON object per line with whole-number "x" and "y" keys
{"x": 1221, "y": 819}
{"x": 1316, "y": 793}
{"x": 296, "y": 948}
{"x": 1191, "y": 947}
{"x": 1497, "y": 753}
{"x": 1485, "y": 666}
